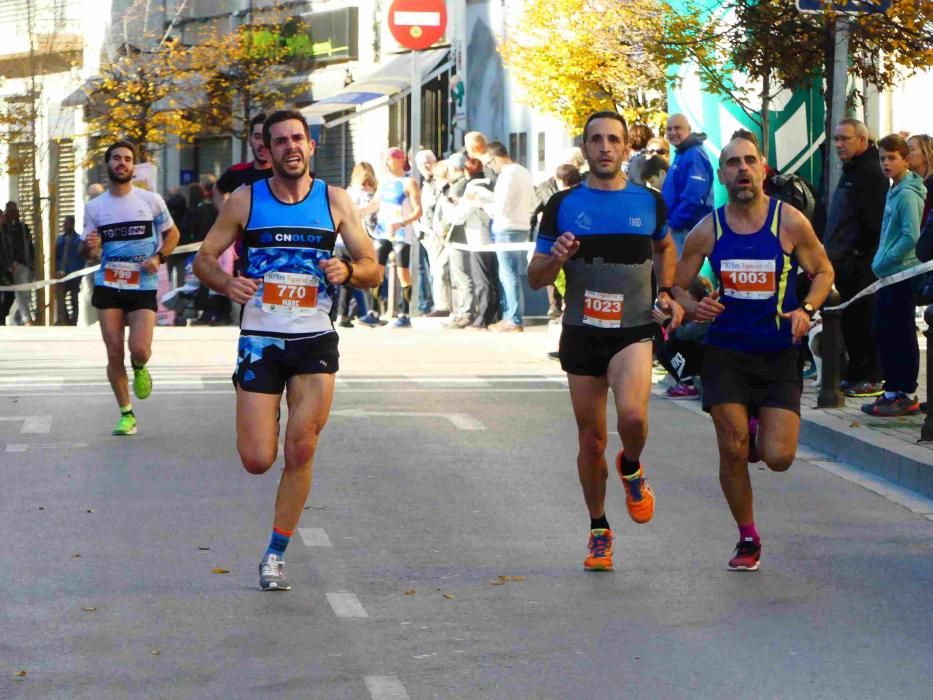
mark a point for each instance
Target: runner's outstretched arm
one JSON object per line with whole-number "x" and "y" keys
{"x": 222, "y": 235}
{"x": 365, "y": 271}
{"x": 697, "y": 246}
{"x": 665, "y": 265}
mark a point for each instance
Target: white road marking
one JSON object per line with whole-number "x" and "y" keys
{"x": 449, "y": 381}
{"x": 461, "y": 421}
{"x": 345, "y": 604}
{"x": 314, "y": 537}
{"x": 36, "y": 379}
{"x": 44, "y": 446}
{"x": 385, "y": 688}
{"x": 31, "y": 424}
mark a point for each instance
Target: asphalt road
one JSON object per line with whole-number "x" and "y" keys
{"x": 440, "y": 555}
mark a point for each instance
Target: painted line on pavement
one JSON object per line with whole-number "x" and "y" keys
{"x": 346, "y": 605}
{"x": 32, "y": 424}
{"x": 314, "y": 537}
{"x": 44, "y": 446}
{"x": 385, "y": 688}
{"x": 449, "y": 381}
{"x": 8, "y": 392}
{"x": 461, "y": 421}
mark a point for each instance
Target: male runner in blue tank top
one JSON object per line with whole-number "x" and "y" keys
{"x": 751, "y": 367}
{"x": 288, "y": 225}
{"x": 608, "y": 236}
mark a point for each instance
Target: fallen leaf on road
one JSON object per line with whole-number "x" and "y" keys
{"x": 497, "y": 582}
{"x": 88, "y": 609}
{"x": 855, "y": 424}
{"x": 220, "y": 570}
{"x": 20, "y": 674}
{"x": 449, "y": 596}
{"x": 41, "y": 507}
{"x": 410, "y": 591}
{"x": 204, "y": 549}
{"x": 90, "y": 510}
{"x": 155, "y": 652}
{"x": 75, "y": 556}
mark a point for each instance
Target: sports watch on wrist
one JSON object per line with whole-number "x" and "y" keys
{"x": 808, "y": 309}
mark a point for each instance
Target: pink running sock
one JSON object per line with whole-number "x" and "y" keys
{"x": 749, "y": 532}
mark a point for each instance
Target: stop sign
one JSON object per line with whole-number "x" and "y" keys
{"x": 417, "y": 24}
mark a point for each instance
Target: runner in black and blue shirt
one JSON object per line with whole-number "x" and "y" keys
{"x": 751, "y": 370}
{"x": 608, "y": 235}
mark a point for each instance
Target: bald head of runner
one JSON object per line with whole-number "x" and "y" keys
{"x": 742, "y": 171}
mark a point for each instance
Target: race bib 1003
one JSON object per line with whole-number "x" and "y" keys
{"x": 291, "y": 293}
{"x": 602, "y": 309}
{"x": 748, "y": 279}
{"x": 122, "y": 275}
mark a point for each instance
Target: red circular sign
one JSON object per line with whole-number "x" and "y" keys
{"x": 417, "y": 24}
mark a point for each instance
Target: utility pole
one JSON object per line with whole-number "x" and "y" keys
{"x": 840, "y": 85}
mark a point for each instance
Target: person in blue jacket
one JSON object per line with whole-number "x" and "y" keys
{"x": 895, "y": 328}
{"x": 688, "y": 187}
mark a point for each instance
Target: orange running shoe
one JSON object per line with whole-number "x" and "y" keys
{"x": 639, "y": 498}
{"x": 600, "y": 546}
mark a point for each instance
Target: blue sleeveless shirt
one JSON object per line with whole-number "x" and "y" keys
{"x": 757, "y": 281}
{"x": 283, "y": 246}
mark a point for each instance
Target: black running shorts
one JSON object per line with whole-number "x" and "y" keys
{"x": 588, "y": 351}
{"x": 127, "y": 300}
{"x": 402, "y": 252}
{"x": 265, "y": 363}
{"x": 755, "y": 380}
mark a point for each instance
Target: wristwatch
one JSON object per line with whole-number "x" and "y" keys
{"x": 808, "y": 309}
{"x": 349, "y": 271}
{"x": 161, "y": 256}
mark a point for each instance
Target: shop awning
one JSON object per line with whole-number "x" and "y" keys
{"x": 386, "y": 85}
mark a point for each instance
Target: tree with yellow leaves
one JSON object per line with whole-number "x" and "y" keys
{"x": 244, "y": 72}
{"x": 139, "y": 97}
{"x": 574, "y": 57}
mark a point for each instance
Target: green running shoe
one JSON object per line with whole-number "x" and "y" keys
{"x": 142, "y": 383}
{"x": 126, "y": 425}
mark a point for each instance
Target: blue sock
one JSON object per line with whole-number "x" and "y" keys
{"x": 891, "y": 394}
{"x": 278, "y": 543}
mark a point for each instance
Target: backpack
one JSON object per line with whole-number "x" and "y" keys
{"x": 796, "y": 191}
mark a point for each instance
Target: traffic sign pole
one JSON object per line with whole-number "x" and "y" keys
{"x": 415, "y": 136}
{"x": 840, "y": 89}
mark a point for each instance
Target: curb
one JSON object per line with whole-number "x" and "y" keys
{"x": 905, "y": 465}
{"x": 908, "y": 466}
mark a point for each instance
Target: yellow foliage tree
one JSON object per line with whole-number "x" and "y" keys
{"x": 574, "y": 57}
{"x": 244, "y": 72}
{"x": 139, "y": 97}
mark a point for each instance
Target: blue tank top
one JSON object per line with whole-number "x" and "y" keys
{"x": 283, "y": 247}
{"x": 393, "y": 207}
{"x": 757, "y": 281}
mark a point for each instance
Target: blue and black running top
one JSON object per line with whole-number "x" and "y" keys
{"x": 610, "y": 279}
{"x": 283, "y": 246}
{"x": 757, "y": 281}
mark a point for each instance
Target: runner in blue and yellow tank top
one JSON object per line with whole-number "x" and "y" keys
{"x": 287, "y": 225}
{"x": 751, "y": 372}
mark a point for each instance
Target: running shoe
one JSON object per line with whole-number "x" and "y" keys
{"x": 864, "y": 389}
{"x": 142, "y": 383}
{"x": 747, "y": 554}
{"x": 371, "y": 319}
{"x": 126, "y": 425}
{"x": 900, "y": 405}
{"x": 600, "y": 547}
{"x": 681, "y": 392}
{"x": 639, "y": 498}
{"x": 752, "y": 441}
{"x": 402, "y": 322}
{"x": 272, "y": 574}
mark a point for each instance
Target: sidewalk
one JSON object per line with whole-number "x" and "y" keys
{"x": 885, "y": 447}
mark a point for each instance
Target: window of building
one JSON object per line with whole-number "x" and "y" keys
{"x": 541, "y": 154}
{"x": 518, "y": 148}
